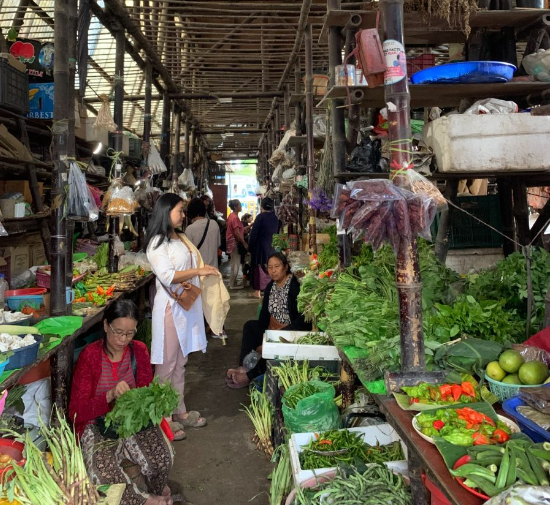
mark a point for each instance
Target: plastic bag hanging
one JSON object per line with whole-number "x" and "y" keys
{"x": 104, "y": 120}
{"x": 81, "y": 205}
{"x": 121, "y": 200}
{"x": 155, "y": 163}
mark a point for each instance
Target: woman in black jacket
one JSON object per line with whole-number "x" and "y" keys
{"x": 279, "y": 312}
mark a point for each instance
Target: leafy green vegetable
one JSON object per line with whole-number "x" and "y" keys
{"x": 468, "y": 355}
{"x": 101, "y": 256}
{"x": 328, "y": 258}
{"x": 312, "y": 296}
{"x": 136, "y": 409}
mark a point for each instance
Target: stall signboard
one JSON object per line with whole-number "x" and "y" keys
{"x": 41, "y": 100}
{"x": 38, "y": 57}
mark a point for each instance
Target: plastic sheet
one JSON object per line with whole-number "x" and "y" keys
{"x": 121, "y": 200}
{"x": 537, "y": 397}
{"x": 155, "y": 162}
{"x": 538, "y": 65}
{"x": 81, "y": 205}
{"x": 420, "y": 184}
{"x": 491, "y": 106}
{"x": 522, "y": 495}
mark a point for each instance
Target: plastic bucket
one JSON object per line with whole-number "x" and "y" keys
{"x": 15, "y": 451}
{"x": 24, "y": 356}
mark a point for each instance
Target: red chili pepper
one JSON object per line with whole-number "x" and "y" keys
{"x": 467, "y": 388}
{"x": 100, "y": 290}
{"x": 414, "y": 400}
{"x": 326, "y": 442}
{"x": 500, "y": 436}
{"x": 438, "y": 424}
{"x": 480, "y": 439}
{"x": 488, "y": 420}
{"x": 456, "y": 392}
{"x": 446, "y": 390}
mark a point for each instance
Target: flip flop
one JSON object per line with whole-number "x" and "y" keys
{"x": 176, "y": 427}
{"x": 192, "y": 420}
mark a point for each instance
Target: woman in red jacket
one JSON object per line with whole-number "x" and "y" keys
{"x": 106, "y": 369}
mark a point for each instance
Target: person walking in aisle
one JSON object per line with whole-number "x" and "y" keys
{"x": 265, "y": 226}
{"x": 203, "y": 232}
{"x": 235, "y": 236}
{"x": 178, "y": 332}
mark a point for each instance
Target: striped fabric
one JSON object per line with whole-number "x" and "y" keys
{"x": 115, "y": 372}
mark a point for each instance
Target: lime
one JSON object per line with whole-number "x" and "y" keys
{"x": 494, "y": 371}
{"x": 512, "y": 379}
{"x": 533, "y": 373}
{"x": 510, "y": 361}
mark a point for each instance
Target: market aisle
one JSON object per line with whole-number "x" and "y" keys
{"x": 219, "y": 464}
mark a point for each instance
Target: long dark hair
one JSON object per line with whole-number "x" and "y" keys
{"x": 160, "y": 223}
{"x": 282, "y": 258}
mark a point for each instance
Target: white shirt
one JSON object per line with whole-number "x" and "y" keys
{"x": 165, "y": 260}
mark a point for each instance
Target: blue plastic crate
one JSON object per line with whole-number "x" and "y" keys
{"x": 532, "y": 430}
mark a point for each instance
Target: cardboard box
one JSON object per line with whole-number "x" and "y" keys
{"x": 22, "y": 186}
{"x": 20, "y": 261}
{"x": 12, "y": 208}
{"x": 37, "y": 254}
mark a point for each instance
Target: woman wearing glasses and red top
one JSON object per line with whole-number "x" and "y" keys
{"x": 106, "y": 369}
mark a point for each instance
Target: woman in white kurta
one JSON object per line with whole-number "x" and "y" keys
{"x": 175, "y": 332}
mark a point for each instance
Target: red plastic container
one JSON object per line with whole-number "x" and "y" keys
{"x": 462, "y": 461}
{"x": 437, "y": 496}
{"x": 25, "y": 291}
{"x": 15, "y": 450}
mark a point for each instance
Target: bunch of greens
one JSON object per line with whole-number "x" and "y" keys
{"x": 302, "y": 391}
{"x": 312, "y": 296}
{"x": 101, "y": 256}
{"x": 139, "y": 408}
{"x": 314, "y": 338}
{"x": 292, "y": 373}
{"x": 507, "y": 282}
{"x": 467, "y": 317}
{"x": 328, "y": 258}
{"x": 281, "y": 477}
{"x": 260, "y": 413}
{"x": 468, "y": 355}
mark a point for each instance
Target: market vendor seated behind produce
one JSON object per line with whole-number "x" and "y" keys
{"x": 106, "y": 369}
{"x": 279, "y": 312}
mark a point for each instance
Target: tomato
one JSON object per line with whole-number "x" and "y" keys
{"x": 480, "y": 439}
{"x": 500, "y": 436}
{"x": 438, "y": 424}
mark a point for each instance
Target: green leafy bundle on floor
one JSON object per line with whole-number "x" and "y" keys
{"x": 138, "y": 408}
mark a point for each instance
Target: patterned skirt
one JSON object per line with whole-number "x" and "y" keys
{"x": 141, "y": 462}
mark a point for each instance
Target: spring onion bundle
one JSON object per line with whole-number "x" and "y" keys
{"x": 260, "y": 414}
{"x": 292, "y": 373}
{"x": 281, "y": 477}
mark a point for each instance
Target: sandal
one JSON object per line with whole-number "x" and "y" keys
{"x": 175, "y": 428}
{"x": 193, "y": 420}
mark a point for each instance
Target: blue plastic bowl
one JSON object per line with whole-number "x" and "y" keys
{"x": 3, "y": 367}
{"x": 27, "y": 355}
{"x": 466, "y": 72}
{"x": 17, "y": 302}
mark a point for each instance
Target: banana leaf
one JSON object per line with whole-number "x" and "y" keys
{"x": 480, "y": 406}
{"x": 403, "y": 400}
{"x": 469, "y": 355}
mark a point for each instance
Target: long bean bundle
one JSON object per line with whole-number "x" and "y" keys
{"x": 63, "y": 482}
{"x": 376, "y": 486}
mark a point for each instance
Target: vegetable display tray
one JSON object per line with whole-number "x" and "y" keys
{"x": 24, "y": 356}
{"x": 533, "y": 430}
{"x": 466, "y": 72}
{"x": 273, "y": 348}
{"x": 381, "y": 434}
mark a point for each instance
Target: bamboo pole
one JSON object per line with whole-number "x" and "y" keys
{"x": 187, "y": 145}
{"x": 113, "y": 259}
{"x": 166, "y": 126}
{"x": 310, "y": 135}
{"x": 192, "y": 145}
{"x": 177, "y": 144}
{"x": 408, "y": 279}
{"x": 286, "y": 107}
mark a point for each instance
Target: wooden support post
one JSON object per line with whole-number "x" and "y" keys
{"x": 337, "y": 114}
{"x": 544, "y": 217}
{"x": 521, "y": 211}
{"x": 61, "y": 368}
{"x": 186, "y": 161}
{"x": 298, "y": 108}
{"x": 408, "y": 278}
{"x": 346, "y": 387}
{"x": 192, "y": 146}
{"x": 310, "y": 134}
{"x": 286, "y": 107}
{"x": 113, "y": 259}
{"x": 166, "y": 127}
{"x": 507, "y": 214}
{"x": 177, "y": 144}
{"x": 441, "y": 242}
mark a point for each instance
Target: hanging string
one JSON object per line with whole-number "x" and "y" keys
{"x": 116, "y": 158}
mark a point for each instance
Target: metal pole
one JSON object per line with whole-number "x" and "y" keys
{"x": 187, "y": 145}
{"x": 176, "y": 145}
{"x": 113, "y": 259}
{"x": 310, "y": 134}
{"x": 58, "y": 306}
{"x": 408, "y": 279}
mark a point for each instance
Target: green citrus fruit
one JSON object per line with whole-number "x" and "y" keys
{"x": 495, "y": 372}
{"x": 533, "y": 373}
{"x": 510, "y": 361}
{"x": 512, "y": 379}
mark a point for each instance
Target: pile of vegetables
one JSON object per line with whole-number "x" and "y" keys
{"x": 281, "y": 476}
{"x": 328, "y": 257}
{"x": 123, "y": 280}
{"x": 137, "y": 409}
{"x": 443, "y": 394}
{"x": 55, "y": 478}
{"x": 314, "y": 339}
{"x": 260, "y": 413}
{"x": 492, "y": 469}
{"x": 93, "y": 296}
{"x": 356, "y": 450}
{"x": 302, "y": 391}
{"x": 463, "y": 426}
{"x": 377, "y": 485}
{"x": 292, "y": 373}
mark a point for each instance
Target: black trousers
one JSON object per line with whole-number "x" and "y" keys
{"x": 252, "y": 338}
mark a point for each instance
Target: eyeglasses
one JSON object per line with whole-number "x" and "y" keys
{"x": 120, "y": 334}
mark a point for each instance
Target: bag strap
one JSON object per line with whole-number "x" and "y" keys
{"x": 205, "y": 233}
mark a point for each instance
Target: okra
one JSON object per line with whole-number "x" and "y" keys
{"x": 486, "y": 486}
{"x": 541, "y": 453}
{"x": 503, "y": 471}
{"x": 526, "y": 477}
{"x": 538, "y": 470}
{"x": 471, "y": 469}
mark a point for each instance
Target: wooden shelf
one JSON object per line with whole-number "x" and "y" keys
{"x": 419, "y": 31}
{"x": 295, "y": 99}
{"x": 443, "y": 95}
{"x": 15, "y": 225}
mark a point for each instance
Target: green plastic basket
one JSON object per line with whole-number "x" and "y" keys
{"x": 505, "y": 391}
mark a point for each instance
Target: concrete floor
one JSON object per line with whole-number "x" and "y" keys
{"x": 219, "y": 464}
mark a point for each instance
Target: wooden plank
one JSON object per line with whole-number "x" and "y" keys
{"x": 443, "y": 95}
{"x": 436, "y": 30}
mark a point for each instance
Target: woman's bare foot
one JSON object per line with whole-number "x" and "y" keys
{"x": 240, "y": 369}
{"x": 158, "y": 500}
{"x": 238, "y": 380}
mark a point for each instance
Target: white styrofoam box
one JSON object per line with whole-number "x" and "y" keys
{"x": 381, "y": 433}
{"x": 475, "y": 143}
{"x": 272, "y": 348}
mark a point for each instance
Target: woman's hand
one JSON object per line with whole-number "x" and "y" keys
{"x": 208, "y": 270}
{"x": 121, "y": 388}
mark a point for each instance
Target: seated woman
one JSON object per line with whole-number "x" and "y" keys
{"x": 106, "y": 369}
{"x": 279, "y": 312}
